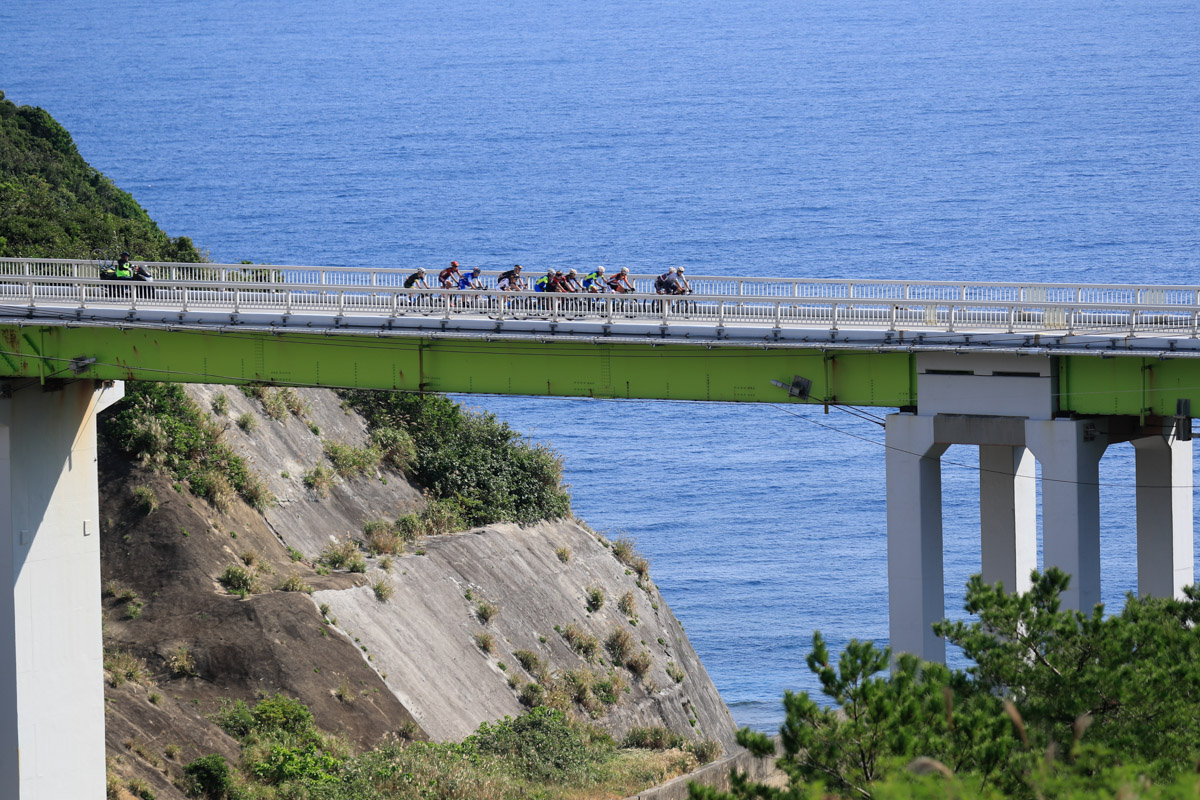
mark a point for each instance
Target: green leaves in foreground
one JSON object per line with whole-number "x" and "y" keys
{"x": 1057, "y": 703}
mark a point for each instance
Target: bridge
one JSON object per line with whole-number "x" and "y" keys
{"x": 1052, "y": 373}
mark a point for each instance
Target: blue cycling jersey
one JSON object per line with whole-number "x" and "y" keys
{"x": 465, "y": 281}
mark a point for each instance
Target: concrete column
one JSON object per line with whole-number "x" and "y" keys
{"x": 1069, "y": 451}
{"x": 51, "y": 670}
{"x": 916, "y": 597}
{"x": 1008, "y": 515}
{"x": 1164, "y": 515}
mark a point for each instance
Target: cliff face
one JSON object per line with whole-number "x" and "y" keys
{"x": 421, "y": 661}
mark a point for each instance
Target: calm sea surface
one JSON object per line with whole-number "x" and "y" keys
{"x": 1052, "y": 141}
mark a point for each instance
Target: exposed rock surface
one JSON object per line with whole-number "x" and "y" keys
{"x": 371, "y": 668}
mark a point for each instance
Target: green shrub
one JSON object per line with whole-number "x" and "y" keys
{"x": 256, "y": 494}
{"x": 486, "y": 611}
{"x": 619, "y": 644}
{"x": 307, "y": 765}
{"x": 161, "y": 426}
{"x": 381, "y": 537}
{"x": 485, "y": 642}
{"x": 209, "y": 777}
{"x": 146, "y": 499}
{"x": 674, "y": 672}
{"x": 530, "y": 662}
{"x": 705, "y": 750}
{"x": 652, "y": 738}
{"x": 274, "y": 405}
{"x": 531, "y": 695}
{"x": 628, "y": 605}
{"x": 123, "y": 666}
{"x": 294, "y": 583}
{"x": 545, "y": 745}
{"x": 343, "y": 554}
{"x": 240, "y": 580}
{"x": 247, "y": 422}
{"x": 282, "y": 714}
{"x": 294, "y": 403}
{"x": 220, "y": 404}
{"x": 348, "y": 460}
{"x": 383, "y": 590}
{"x": 475, "y": 459}
{"x": 396, "y": 448}
{"x": 181, "y": 662}
{"x": 581, "y": 641}
{"x": 319, "y": 479}
{"x": 563, "y": 553}
{"x": 595, "y": 598}
{"x": 639, "y": 663}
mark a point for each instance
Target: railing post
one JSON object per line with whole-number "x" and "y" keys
{"x": 1070, "y": 321}
{"x": 833, "y": 317}
{"x": 892, "y": 313}
{"x": 720, "y": 313}
{"x": 1012, "y": 317}
{"x": 665, "y": 310}
{"x": 950, "y": 320}
{"x": 446, "y": 304}
{"x": 341, "y": 305}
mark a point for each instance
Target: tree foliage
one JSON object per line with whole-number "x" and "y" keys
{"x": 54, "y": 205}
{"x": 473, "y": 458}
{"x": 1056, "y": 703}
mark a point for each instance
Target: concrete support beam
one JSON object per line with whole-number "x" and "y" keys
{"x": 1070, "y": 451}
{"x": 1008, "y": 515}
{"x": 51, "y": 664}
{"x": 1164, "y": 515}
{"x": 916, "y": 597}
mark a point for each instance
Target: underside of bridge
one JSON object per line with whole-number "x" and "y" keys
{"x": 1062, "y": 410}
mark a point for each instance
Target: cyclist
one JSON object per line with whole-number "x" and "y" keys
{"x": 416, "y": 280}
{"x": 449, "y": 277}
{"x": 594, "y": 280}
{"x": 472, "y": 280}
{"x": 571, "y": 282}
{"x": 124, "y": 269}
{"x": 682, "y": 286}
{"x": 667, "y": 283}
{"x": 620, "y": 282}
{"x": 542, "y": 284}
{"x": 510, "y": 281}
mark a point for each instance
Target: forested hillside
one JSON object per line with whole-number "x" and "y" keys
{"x": 54, "y": 205}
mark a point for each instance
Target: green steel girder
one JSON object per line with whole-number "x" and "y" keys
{"x": 562, "y": 368}
{"x": 1127, "y": 385}
{"x": 1087, "y": 384}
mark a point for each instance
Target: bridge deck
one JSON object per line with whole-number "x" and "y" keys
{"x": 1118, "y": 350}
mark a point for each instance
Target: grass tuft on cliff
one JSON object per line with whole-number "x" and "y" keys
{"x": 492, "y": 472}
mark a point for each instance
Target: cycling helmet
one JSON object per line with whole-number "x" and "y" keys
{"x": 476, "y": 271}
{"x": 624, "y": 270}
{"x": 516, "y": 266}
{"x": 572, "y": 272}
{"x": 454, "y": 264}
{"x": 549, "y": 272}
{"x": 420, "y": 270}
{"x": 125, "y": 254}
{"x": 600, "y": 270}
{"x": 672, "y": 269}
{"x": 681, "y": 270}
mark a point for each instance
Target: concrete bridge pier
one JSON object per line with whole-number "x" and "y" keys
{"x": 1163, "y": 464}
{"x": 1007, "y": 515}
{"x": 51, "y": 660}
{"x": 1069, "y": 451}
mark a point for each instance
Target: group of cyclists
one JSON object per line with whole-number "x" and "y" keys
{"x": 555, "y": 280}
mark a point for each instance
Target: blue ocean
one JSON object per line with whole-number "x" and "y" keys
{"x": 1056, "y": 140}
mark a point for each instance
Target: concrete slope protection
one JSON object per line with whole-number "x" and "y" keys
{"x": 179, "y": 644}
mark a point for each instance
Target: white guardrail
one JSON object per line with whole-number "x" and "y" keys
{"x": 32, "y": 287}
